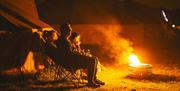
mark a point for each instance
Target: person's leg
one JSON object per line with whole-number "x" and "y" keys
{"x": 92, "y": 72}
{"x": 90, "y": 64}
{"x": 95, "y": 77}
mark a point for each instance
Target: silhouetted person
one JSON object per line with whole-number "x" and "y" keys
{"x": 75, "y": 60}
{"x": 75, "y": 43}
{"x": 50, "y": 48}
{"x": 75, "y": 39}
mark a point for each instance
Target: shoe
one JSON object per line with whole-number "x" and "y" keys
{"x": 99, "y": 82}
{"x": 93, "y": 85}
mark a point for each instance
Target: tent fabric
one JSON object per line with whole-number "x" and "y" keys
{"x": 18, "y": 19}
{"x": 21, "y": 13}
{"x": 14, "y": 48}
{"x": 6, "y": 25}
{"x": 17, "y": 46}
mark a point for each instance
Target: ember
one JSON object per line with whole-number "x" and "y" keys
{"x": 137, "y": 68}
{"x": 134, "y": 60}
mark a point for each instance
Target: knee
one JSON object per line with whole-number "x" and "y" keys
{"x": 96, "y": 58}
{"x": 94, "y": 61}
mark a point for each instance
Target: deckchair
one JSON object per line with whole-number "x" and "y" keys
{"x": 68, "y": 74}
{"x": 57, "y": 73}
{"x": 72, "y": 76}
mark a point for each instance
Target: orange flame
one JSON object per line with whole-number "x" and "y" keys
{"x": 134, "y": 60}
{"x": 29, "y": 65}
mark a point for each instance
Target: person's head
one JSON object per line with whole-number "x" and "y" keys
{"x": 75, "y": 38}
{"x": 51, "y": 36}
{"x": 66, "y": 29}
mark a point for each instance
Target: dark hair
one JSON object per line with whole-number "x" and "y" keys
{"x": 64, "y": 28}
{"x": 73, "y": 35}
{"x": 47, "y": 34}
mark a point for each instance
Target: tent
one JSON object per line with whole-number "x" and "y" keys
{"x": 18, "y": 22}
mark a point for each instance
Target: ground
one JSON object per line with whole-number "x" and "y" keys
{"x": 163, "y": 78}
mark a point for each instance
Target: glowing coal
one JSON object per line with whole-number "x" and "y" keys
{"x": 134, "y": 60}
{"x": 136, "y": 68}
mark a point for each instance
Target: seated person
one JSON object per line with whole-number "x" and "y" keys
{"x": 74, "y": 60}
{"x": 49, "y": 47}
{"x": 41, "y": 60}
{"x": 75, "y": 42}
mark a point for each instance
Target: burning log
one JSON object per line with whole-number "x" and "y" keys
{"x": 137, "y": 68}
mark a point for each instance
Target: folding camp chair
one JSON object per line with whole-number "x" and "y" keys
{"x": 57, "y": 73}
{"x": 72, "y": 76}
{"x": 60, "y": 73}
{"x": 69, "y": 75}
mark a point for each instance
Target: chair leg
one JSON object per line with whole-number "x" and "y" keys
{"x": 69, "y": 76}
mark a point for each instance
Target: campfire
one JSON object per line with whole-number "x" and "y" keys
{"x": 137, "y": 68}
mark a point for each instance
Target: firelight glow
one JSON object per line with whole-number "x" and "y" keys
{"x": 134, "y": 60}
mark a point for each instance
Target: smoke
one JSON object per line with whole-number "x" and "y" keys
{"x": 113, "y": 48}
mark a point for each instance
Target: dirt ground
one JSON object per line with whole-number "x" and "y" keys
{"x": 163, "y": 78}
